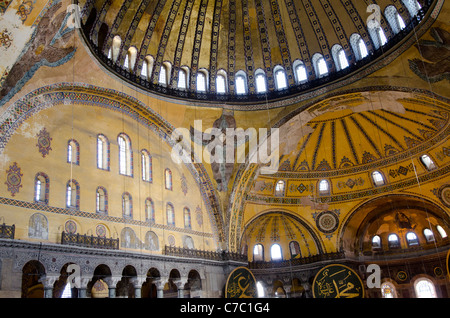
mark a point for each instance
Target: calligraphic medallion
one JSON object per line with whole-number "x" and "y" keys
{"x": 337, "y": 281}
{"x": 241, "y": 284}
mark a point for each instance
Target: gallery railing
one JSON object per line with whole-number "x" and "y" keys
{"x": 209, "y": 255}
{"x": 7, "y": 231}
{"x": 89, "y": 241}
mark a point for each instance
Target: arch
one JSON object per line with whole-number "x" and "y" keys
{"x": 358, "y": 46}
{"x": 320, "y": 65}
{"x": 168, "y": 179}
{"x": 115, "y": 48}
{"x": 73, "y": 152}
{"x": 412, "y": 239}
{"x": 260, "y": 81}
{"x": 127, "y": 205}
{"x": 170, "y": 214}
{"x": 258, "y": 253}
{"x": 280, "y": 77}
{"x": 240, "y": 81}
{"x": 280, "y": 188}
{"x": 388, "y": 290}
{"x": 147, "y": 67}
{"x": 276, "y": 253}
{"x": 202, "y": 81}
{"x": 378, "y": 178}
{"x": 130, "y": 58}
{"x": 413, "y": 7}
{"x": 425, "y": 288}
{"x": 41, "y": 188}
{"x": 38, "y": 226}
{"x": 149, "y": 210}
{"x": 183, "y": 76}
{"x": 151, "y": 241}
{"x": 427, "y": 162}
{"x": 32, "y": 287}
{"x": 125, "y": 155}
{"x": 125, "y": 287}
{"x": 324, "y": 187}
{"x": 101, "y": 200}
{"x": 187, "y": 218}
{"x": 146, "y": 166}
{"x": 193, "y": 287}
{"x": 393, "y": 241}
{"x": 73, "y": 194}
{"x": 394, "y": 19}
{"x": 103, "y": 152}
{"x": 339, "y": 57}
{"x": 300, "y": 72}
{"x": 221, "y": 82}
{"x": 164, "y": 73}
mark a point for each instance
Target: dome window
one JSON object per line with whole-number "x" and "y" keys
{"x": 429, "y": 236}
{"x": 275, "y": 252}
{"x": 220, "y": 84}
{"x": 376, "y": 242}
{"x": 241, "y": 83}
{"x": 378, "y": 178}
{"x": 300, "y": 72}
{"x": 280, "y": 78}
{"x": 279, "y": 188}
{"x": 258, "y": 253}
{"x": 393, "y": 241}
{"x": 412, "y": 239}
{"x": 324, "y": 187}
{"x": 427, "y": 162}
{"x": 441, "y": 231}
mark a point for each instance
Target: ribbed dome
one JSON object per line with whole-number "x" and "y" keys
{"x": 295, "y": 239}
{"x": 224, "y": 39}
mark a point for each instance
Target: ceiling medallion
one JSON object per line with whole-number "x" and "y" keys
{"x": 327, "y": 221}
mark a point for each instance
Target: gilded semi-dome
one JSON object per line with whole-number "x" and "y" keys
{"x": 245, "y": 51}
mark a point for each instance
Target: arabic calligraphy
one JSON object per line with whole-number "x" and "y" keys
{"x": 337, "y": 281}
{"x": 241, "y": 284}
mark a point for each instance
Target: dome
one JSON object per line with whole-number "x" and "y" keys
{"x": 293, "y": 237}
{"x": 244, "y": 51}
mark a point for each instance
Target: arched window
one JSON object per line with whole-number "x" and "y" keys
{"x": 102, "y": 200}
{"x": 149, "y": 210}
{"x": 168, "y": 179}
{"x": 72, "y": 194}
{"x": 260, "y": 78}
{"x": 339, "y": 57}
{"x": 127, "y": 205}
{"x": 427, "y": 162}
{"x": 358, "y": 46}
{"x": 394, "y": 19}
{"x": 393, "y": 241}
{"x": 182, "y": 78}
{"x": 187, "y": 218}
{"x": 170, "y": 212}
{"x": 320, "y": 65}
{"x": 73, "y": 152}
{"x": 301, "y": 75}
{"x": 275, "y": 252}
{"x": 376, "y": 241}
{"x": 280, "y": 78}
{"x": 102, "y": 152}
{"x": 388, "y": 290}
{"x": 147, "y": 67}
{"x": 241, "y": 82}
{"x": 146, "y": 166}
{"x": 279, "y": 188}
{"x": 163, "y": 78}
{"x": 202, "y": 81}
{"x": 115, "y": 48}
{"x": 377, "y": 178}
{"x": 221, "y": 82}
{"x": 130, "y": 58}
{"x": 125, "y": 155}
{"x": 41, "y": 188}
{"x": 324, "y": 187}
{"x": 429, "y": 236}
{"x": 424, "y": 288}
{"x": 411, "y": 239}
{"x": 258, "y": 253}
{"x": 294, "y": 248}
{"x": 413, "y": 7}
{"x": 441, "y": 231}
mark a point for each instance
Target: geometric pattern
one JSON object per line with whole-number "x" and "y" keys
{"x": 14, "y": 179}
{"x": 43, "y": 142}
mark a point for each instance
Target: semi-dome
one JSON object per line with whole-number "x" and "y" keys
{"x": 244, "y": 51}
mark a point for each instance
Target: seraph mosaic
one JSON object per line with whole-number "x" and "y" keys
{"x": 48, "y": 47}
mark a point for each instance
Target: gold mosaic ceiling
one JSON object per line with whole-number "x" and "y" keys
{"x": 230, "y": 36}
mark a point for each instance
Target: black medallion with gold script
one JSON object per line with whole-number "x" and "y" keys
{"x": 241, "y": 284}
{"x": 337, "y": 281}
